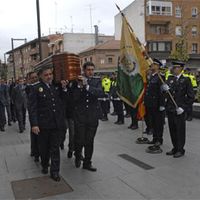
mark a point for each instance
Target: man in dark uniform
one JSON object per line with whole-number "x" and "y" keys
{"x": 181, "y": 89}
{"x": 47, "y": 120}
{"x": 154, "y": 101}
{"x": 86, "y": 114}
{"x": 32, "y": 79}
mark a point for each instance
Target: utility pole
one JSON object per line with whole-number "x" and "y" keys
{"x": 39, "y": 30}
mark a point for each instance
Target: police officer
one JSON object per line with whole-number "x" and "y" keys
{"x": 154, "y": 101}
{"x": 105, "y": 100}
{"x": 32, "y": 79}
{"x": 86, "y": 115}
{"x": 47, "y": 121}
{"x": 117, "y": 103}
{"x": 187, "y": 73}
{"x": 182, "y": 92}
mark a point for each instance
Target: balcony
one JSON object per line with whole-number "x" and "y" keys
{"x": 158, "y": 19}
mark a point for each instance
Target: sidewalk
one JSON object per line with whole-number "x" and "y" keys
{"x": 116, "y": 178}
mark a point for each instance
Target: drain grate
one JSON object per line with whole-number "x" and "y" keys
{"x": 136, "y": 161}
{"x": 40, "y": 187}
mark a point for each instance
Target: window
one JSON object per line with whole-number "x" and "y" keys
{"x": 194, "y": 31}
{"x": 159, "y": 29}
{"x": 102, "y": 61}
{"x": 161, "y": 10}
{"x": 194, "y": 48}
{"x": 178, "y": 30}
{"x": 90, "y": 59}
{"x": 178, "y": 11}
{"x": 110, "y": 60}
{"x": 194, "y": 12}
{"x": 159, "y": 46}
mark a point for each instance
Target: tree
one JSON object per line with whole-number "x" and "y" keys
{"x": 181, "y": 52}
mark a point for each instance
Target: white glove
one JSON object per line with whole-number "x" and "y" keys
{"x": 85, "y": 81}
{"x": 179, "y": 111}
{"x": 161, "y": 108}
{"x": 165, "y": 87}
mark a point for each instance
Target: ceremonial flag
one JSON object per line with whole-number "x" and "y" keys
{"x": 132, "y": 67}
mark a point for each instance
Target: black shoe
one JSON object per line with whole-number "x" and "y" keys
{"x": 55, "y": 177}
{"x": 127, "y": 115}
{"x": 77, "y": 163}
{"x": 90, "y": 168}
{"x": 69, "y": 154}
{"x": 170, "y": 153}
{"x": 130, "y": 126}
{"x": 104, "y": 119}
{"x": 36, "y": 159}
{"x": 189, "y": 119}
{"x": 45, "y": 170}
{"x": 21, "y": 131}
{"x": 62, "y": 146}
{"x": 2, "y": 129}
{"x": 178, "y": 154}
{"x": 119, "y": 122}
{"x": 9, "y": 124}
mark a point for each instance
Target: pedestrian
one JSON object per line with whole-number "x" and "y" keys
{"x": 182, "y": 92}
{"x": 19, "y": 99}
{"x": 47, "y": 121}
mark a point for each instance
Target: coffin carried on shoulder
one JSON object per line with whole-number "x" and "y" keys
{"x": 66, "y": 66}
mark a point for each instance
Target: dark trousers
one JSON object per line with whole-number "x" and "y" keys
{"x": 49, "y": 142}
{"x": 2, "y": 115}
{"x": 177, "y": 128}
{"x": 34, "y": 144}
{"x": 157, "y": 119}
{"x": 133, "y": 113}
{"x": 13, "y": 112}
{"x": 84, "y": 138}
{"x": 71, "y": 131}
{"x": 119, "y": 110}
{"x": 21, "y": 116}
{"x": 148, "y": 122}
{"x": 105, "y": 106}
{"x": 8, "y": 113}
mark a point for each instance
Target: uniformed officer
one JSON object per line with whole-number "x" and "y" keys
{"x": 182, "y": 92}
{"x": 32, "y": 79}
{"x": 105, "y": 100}
{"x": 47, "y": 121}
{"x": 155, "y": 103}
{"x": 187, "y": 73}
{"x": 117, "y": 103}
{"x": 86, "y": 114}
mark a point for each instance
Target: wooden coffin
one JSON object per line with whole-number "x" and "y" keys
{"x": 66, "y": 66}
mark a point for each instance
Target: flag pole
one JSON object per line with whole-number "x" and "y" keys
{"x": 147, "y": 56}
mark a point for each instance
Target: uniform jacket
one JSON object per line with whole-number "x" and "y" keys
{"x": 154, "y": 97}
{"x": 86, "y": 105}
{"x": 182, "y": 92}
{"x": 46, "y": 108}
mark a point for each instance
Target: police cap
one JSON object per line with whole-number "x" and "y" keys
{"x": 157, "y": 62}
{"x": 178, "y": 64}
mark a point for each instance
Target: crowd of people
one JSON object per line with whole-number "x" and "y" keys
{"x": 76, "y": 106}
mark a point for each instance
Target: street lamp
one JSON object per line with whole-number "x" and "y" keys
{"x": 39, "y": 29}
{"x": 12, "y": 43}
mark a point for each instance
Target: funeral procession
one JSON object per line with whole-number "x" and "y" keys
{"x": 100, "y": 99}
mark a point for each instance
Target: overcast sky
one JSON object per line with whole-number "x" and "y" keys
{"x": 18, "y": 18}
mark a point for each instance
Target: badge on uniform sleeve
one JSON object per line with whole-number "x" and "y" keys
{"x": 40, "y": 89}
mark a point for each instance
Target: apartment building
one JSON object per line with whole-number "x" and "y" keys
{"x": 104, "y": 56}
{"x": 25, "y": 57}
{"x": 163, "y": 23}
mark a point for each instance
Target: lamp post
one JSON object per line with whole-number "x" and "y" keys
{"x": 39, "y": 29}
{"x": 13, "y": 57}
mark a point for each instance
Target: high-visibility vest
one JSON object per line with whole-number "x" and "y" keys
{"x": 167, "y": 74}
{"x": 106, "y": 83}
{"x": 193, "y": 80}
